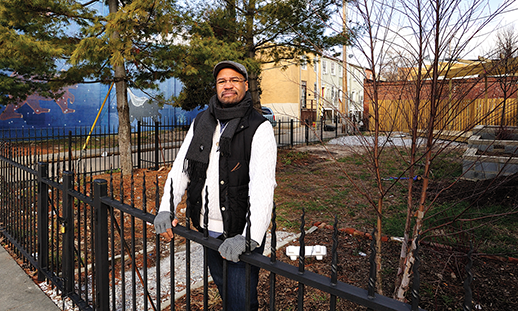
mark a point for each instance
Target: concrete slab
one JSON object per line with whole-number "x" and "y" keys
{"x": 17, "y": 291}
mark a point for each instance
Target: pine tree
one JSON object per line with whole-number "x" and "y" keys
{"x": 253, "y": 32}
{"x": 48, "y": 44}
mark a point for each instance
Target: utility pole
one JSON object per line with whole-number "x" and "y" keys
{"x": 345, "y": 94}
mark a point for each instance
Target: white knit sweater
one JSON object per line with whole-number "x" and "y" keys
{"x": 261, "y": 186}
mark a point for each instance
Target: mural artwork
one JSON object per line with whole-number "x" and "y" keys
{"x": 33, "y": 101}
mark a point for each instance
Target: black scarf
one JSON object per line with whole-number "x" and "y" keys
{"x": 197, "y": 157}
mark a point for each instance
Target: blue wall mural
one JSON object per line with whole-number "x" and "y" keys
{"x": 81, "y": 103}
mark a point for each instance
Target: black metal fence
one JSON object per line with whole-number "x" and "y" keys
{"x": 154, "y": 144}
{"x": 97, "y": 246}
{"x": 96, "y": 150}
{"x": 101, "y": 252}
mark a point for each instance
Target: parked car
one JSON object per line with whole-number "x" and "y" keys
{"x": 268, "y": 114}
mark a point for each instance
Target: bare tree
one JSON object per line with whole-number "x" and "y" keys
{"x": 505, "y": 69}
{"x": 428, "y": 38}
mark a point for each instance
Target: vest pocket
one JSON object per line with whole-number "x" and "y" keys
{"x": 238, "y": 173}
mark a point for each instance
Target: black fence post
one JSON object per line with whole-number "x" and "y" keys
{"x": 417, "y": 279}
{"x": 139, "y": 137}
{"x": 43, "y": 221}
{"x": 372, "y": 271}
{"x": 69, "y": 151}
{"x": 322, "y": 124}
{"x": 336, "y": 126}
{"x": 68, "y": 233}
{"x": 302, "y": 260}
{"x": 157, "y": 158}
{"x": 306, "y": 128}
{"x": 291, "y": 133}
{"x": 334, "y": 263}
{"x": 102, "y": 281}
{"x": 273, "y": 255}
{"x": 279, "y": 132}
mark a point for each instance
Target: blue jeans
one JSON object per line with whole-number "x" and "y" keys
{"x": 236, "y": 280}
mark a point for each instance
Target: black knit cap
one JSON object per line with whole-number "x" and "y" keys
{"x": 230, "y": 64}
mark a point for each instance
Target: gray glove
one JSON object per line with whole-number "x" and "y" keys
{"x": 163, "y": 222}
{"x": 231, "y": 248}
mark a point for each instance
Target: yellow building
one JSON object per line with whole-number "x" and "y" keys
{"x": 313, "y": 91}
{"x": 290, "y": 90}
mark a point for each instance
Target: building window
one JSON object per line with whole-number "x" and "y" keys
{"x": 341, "y": 71}
{"x": 333, "y": 71}
{"x": 303, "y": 95}
{"x": 324, "y": 67}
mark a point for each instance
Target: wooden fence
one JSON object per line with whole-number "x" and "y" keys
{"x": 461, "y": 104}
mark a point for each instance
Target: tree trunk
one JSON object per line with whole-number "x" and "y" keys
{"x": 253, "y": 76}
{"x": 124, "y": 123}
{"x": 253, "y": 86}
{"x": 122, "y": 106}
{"x": 402, "y": 274}
{"x": 419, "y": 219}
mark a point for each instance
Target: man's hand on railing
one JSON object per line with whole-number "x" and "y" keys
{"x": 164, "y": 221}
{"x": 231, "y": 248}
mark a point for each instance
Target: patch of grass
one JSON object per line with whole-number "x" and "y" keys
{"x": 287, "y": 224}
{"x": 291, "y": 206}
{"x": 395, "y": 224}
{"x": 324, "y": 191}
{"x": 293, "y": 156}
{"x": 313, "y": 206}
{"x": 492, "y": 235}
{"x": 320, "y": 298}
{"x": 448, "y": 300}
{"x": 447, "y": 166}
{"x": 354, "y": 160}
{"x": 365, "y": 176}
{"x": 117, "y": 170}
{"x": 388, "y": 271}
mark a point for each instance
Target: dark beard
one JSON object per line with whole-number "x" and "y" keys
{"x": 231, "y": 103}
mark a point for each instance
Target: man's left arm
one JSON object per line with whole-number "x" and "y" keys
{"x": 263, "y": 160}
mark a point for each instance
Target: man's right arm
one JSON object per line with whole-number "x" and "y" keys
{"x": 175, "y": 185}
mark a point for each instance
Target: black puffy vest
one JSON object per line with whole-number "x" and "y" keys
{"x": 233, "y": 179}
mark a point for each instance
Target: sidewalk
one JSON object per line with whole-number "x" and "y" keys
{"x": 17, "y": 291}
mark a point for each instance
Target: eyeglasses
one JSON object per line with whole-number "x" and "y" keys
{"x": 233, "y": 81}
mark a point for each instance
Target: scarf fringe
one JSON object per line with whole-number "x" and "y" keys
{"x": 195, "y": 170}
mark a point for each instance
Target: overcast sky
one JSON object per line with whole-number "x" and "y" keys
{"x": 480, "y": 44}
{"x": 486, "y": 39}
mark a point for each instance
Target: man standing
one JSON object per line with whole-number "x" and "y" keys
{"x": 230, "y": 152}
